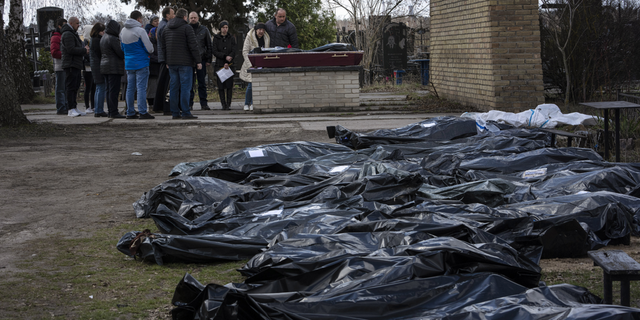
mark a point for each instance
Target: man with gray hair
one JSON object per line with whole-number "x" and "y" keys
{"x": 159, "y": 104}
{"x": 73, "y": 52}
{"x": 281, "y": 31}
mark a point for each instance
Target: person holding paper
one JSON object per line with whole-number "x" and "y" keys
{"x": 256, "y": 38}
{"x": 224, "y": 49}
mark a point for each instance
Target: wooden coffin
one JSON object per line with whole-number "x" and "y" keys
{"x": 305, "y": 59}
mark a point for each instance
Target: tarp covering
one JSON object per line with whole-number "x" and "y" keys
{"x": 428, "y": 221}
{"x": 546, "y": 116}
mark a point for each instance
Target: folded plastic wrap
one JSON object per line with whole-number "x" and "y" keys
{"x": 441, "y": 128}
{"x": 278, "y": 157}
{"x": 486, "y": 296}
{"x": 430, "y": 221}
{"x": 546, "y": 116}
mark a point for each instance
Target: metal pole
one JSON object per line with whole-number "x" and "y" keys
{"x": 32, "y": 35}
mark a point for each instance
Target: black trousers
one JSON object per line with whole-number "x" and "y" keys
{"x": 202, "y": 85}
{"x": 160, "y": 102}
{"x": 112, "y": 82}
{"x": 89, "y": 90}
{"x": 73, "y": 78}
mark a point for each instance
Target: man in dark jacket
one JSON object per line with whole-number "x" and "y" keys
{"x": 281, "y": 31}
{"x": 180, "y": 52}
{"x": 224, "y": 49}
{"x": 112, "y": 66}
{"x": 204, "y": 44}
{"x": 159, "y": 104}
{"x": 73, "y": 52}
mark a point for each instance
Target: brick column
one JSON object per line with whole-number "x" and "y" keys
{"x": 486, "y": 53}
{"x": 305, "y": 89}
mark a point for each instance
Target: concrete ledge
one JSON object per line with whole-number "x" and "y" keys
{"x": 305, "y": 69}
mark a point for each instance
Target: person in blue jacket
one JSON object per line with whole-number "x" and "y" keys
{"x": 136, "y": 47}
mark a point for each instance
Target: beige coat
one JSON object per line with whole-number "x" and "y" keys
{"x": 250, "y": 42}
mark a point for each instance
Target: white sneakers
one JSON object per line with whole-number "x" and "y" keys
{"x": 251, "y": 107}
{"x": 89, "y": 110}
{"x": 248, "y": 108}
{"x": 75, "y": 113}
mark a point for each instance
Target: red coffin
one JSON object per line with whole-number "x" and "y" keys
{"x": 305, "y": 59}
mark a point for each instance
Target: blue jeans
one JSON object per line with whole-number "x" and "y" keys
{"x": 181, "y": 80}
{"x": 61, "y": 99}
{"x": 248, "y": 97}
{"x": 140, "y": 78}
{"x": 98, "y": 100}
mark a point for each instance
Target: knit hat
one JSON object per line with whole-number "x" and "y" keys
{"x": 223, "y": 23}
{"x": 154, "y": 17}
{"x": 259, "y": 25}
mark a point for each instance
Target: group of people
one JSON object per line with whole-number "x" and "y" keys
{"x": 165, "y": 53}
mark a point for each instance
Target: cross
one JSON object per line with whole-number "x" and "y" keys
{"x": 32, "y": 35}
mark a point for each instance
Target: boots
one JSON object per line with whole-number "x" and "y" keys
{"x": 223, "y": 100}
{"x": 229, "y": 96}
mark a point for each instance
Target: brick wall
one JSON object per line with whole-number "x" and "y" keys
{"x": 486, "y": 53}
{"x": 307, "y": 89}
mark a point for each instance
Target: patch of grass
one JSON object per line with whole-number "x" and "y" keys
{"x": 592, "y": 280}
{"x": 44, "y": 129}
{"x": 40, "y": 99}
{"x": 406, "y": 87}
{"x": 88, "y": 278}
{"x": 431, "y": 103}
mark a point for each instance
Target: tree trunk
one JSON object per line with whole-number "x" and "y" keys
{"x": 10, "y": 111}
{"x": 15, "y": 46}
{"x": 567, "y": 78}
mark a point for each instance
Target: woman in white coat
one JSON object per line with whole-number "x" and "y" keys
{"x": 257, "y": 37}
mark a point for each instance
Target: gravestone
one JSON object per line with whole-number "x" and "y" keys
{"x": 394, "y": 43}
{"x": 47, "y": 17}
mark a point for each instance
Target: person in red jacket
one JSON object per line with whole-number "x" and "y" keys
{"x": 56, "y": 54}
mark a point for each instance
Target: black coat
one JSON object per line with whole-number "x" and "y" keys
{"x": 204, "y": 41}
{"x": 179, "y": 46}
{"x": 282, "y": 35}
{"x": 73, "y": 50}
{"x": 95, "y": 55}
{"x": 112, "y": 61}
{"x": 154, "y": 65}
{"x": 223, "y": 47}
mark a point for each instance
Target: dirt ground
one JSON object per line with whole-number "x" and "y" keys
{"x": 71, "y": 180}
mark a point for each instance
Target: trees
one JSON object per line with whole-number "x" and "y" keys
{"x": 10, "y": 111}
{"x": 369, "y": 17}
{"x": 211, "y": 12}
{"x": 600, "y": 55}
{"x": 560, "y": 20}
{"x": 315, "y": 26}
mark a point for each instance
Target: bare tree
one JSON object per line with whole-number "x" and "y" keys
{"x": 15, "y": 81}
{"x": 559, "y": 17}
{"x": 10, "y": 112}
{"x": 369, "y": 18}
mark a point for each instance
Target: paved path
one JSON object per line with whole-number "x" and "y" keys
{"x": 393, "y": 117}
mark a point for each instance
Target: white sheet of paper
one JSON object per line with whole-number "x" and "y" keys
{"x": 257, "y": 153}
{"x": 534, "y": 173}
{"x": 338, "y": 169}
{"x": 224, "y": 74}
